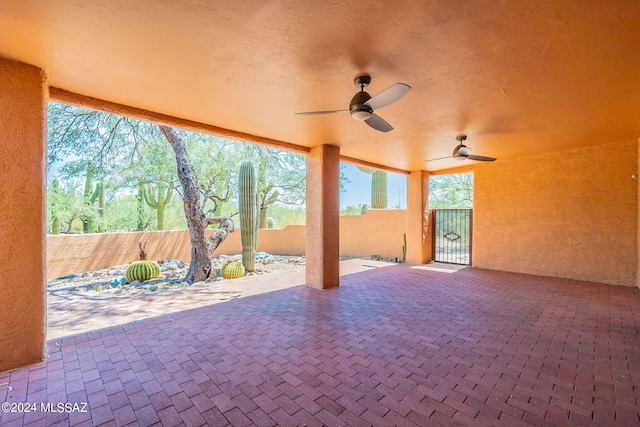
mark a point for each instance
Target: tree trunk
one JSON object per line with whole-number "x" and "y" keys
{"x": 140, "y": 211}
{"x": 201, "y": 248}
{"x": 200, "y": 265}
{"x": 226, "y": 226}
{"x": 101, "y": 206}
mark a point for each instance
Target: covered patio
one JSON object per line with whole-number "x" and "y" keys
{"x": 398, "y": 345}
{"x": 544, "y": 328}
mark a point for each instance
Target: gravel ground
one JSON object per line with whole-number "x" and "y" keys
{"x": 109, "y": 282}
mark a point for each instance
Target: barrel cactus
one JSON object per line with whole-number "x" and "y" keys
{"x": 232, "y": 270}
{"x": 142, "y": 270}
{"x": 249, "y": 218}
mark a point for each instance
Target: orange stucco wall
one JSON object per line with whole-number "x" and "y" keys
{"x": 566, "y": 214}
{"x": 418, "y": 233}
{"x": 323, "y": 224}
{"x": 77, "y": 253}
{"x": 22, "y": 247}
{"x": 379, "y": 232}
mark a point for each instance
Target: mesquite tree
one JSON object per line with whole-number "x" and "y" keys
{"x": 201, "y": 247}
{"x": 133, "y": 153}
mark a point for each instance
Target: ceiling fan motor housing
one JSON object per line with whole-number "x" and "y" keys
{"x": 461, "y": 152}
{"x": 358, "y": 110}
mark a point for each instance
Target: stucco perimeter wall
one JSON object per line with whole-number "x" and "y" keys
{"x": 22, "y": 246}
{"x": 568, "y": 214}
{"x": 379, "y": 232}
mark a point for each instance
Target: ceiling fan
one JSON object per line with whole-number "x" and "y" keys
{"x": 462, "y": 152}
{"x": 362, "y": 104}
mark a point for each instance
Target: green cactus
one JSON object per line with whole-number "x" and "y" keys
{"x": 404, "y": 248}
{"x": 378, "y": 186}
{"x": 270, "y": 222}
{"x": 379, "y": 190}
{"x": 158, "y": 202}
{"x": 55, "y": 220}
{"x": 142, "y": 270}
{"x": 249, "y": 218}
{"x": 101, "y": 205}
{"x": 90, "y": 197}
{"x": 266, "y": 202}
{"x": 141, "y": 217}
{"x": 364, "y": 209}
{"x": 232, "y": 270}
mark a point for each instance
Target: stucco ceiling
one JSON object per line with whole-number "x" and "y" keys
{"x": 519, "y": 77}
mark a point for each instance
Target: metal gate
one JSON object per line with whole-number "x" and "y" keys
{"x": 452, "y": 235}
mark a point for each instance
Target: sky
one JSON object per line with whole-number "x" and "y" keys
{"x": 358, "y": 191}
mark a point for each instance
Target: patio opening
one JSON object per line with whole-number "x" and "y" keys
{"x": 451, "y": 200}
{"x": 452, "y": 235}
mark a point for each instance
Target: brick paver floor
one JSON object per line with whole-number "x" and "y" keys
{"x": 71, "y": 313}
{"x": 391, "y": 346}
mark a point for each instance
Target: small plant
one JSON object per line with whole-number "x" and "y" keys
{"x": 404, "y": 248}
{"x": 153, "y": 288}
{"x": 142, "y": 269}
{"x": 232, "y": 270}
{"x": 142, "y": 254}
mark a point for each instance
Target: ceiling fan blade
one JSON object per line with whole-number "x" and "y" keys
{"x": 378, "y": 123}
{"x": 439, "y": 158}
{"x": 480, "y": 158}
{"x": 313, "y": 113}
{"x": 388, "y": 96}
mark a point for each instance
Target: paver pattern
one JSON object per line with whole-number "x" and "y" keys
{"x": 391, "y": 346}
{"x": 71, "y": 313}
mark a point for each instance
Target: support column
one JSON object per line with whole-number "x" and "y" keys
{"x": 637, "y": 177}
{"x": 323, "y": 217}
{"x": 22, "y": 210}
{"x": 419, "y": 249}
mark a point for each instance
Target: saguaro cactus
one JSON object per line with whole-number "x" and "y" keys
{"x": 90, "y": 197}
{"x": 101, "y": 205}
{"x": 160, "y": 202}
{"x": 55, "y": 218}
{"x": 140, "y": 221}
{"x": 378, "y": 187}
{"x": 87, "y": 221}
{"x": 249, "y": 218}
